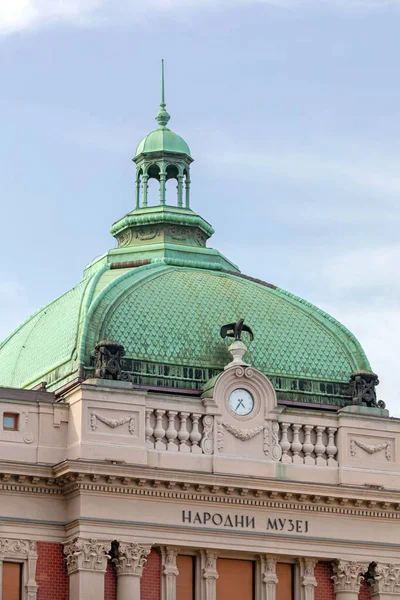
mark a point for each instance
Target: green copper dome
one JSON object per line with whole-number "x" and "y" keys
{"x": 162, "y": 140}
{"x": 168, "y": 319}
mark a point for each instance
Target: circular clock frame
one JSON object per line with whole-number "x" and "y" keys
{"x": 243, "y": 400}
{"x": 250, "y": 389}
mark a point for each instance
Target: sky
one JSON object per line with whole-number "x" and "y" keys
{"x": 291, "y": 109}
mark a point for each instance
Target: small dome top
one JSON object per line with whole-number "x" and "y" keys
{"x": 162, "y": 140}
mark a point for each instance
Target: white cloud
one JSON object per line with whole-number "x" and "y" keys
{"x": 19, "y": 15}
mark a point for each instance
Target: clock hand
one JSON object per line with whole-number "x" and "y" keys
{"x": 240, "y": 403}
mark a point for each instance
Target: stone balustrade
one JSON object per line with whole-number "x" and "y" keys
{"x": 308, "y": 444}
{"x": 178, "y": 431}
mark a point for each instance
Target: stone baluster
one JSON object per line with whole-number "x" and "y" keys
{"x": 331, "y": 449}
{"x": 171, "y": 433}
{"x": 347, "y": 578}
{"x": 86, "y": 565}
{"x": 159, "y": 431}
{"x": 383, "y": 581}
{"x": 285, "y": 444}
{"x": 129, "y": 562}
{"x": 169, "y": 572}
{"x": 209, "y": 574}
{"x": 148, "y": 431}
{"x": 195, "y": 435}
{"x": 307, "y": 577}
{"x": 308, "y": 446}
{"x": 269, "y": 578}
{"x": 319, "y": 448}
{"x": 183, "y": 434}
{"x": 296, "y": 444}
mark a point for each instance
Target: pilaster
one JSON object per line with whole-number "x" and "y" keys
{"x": 129, "y": 562}
{"x": 86, "y": 566}
{"x": 209, "y": 574}
{"x": 269, "y": 577}
{"x": 384, "y": 581}
{"x": 307, "y": 578}
{"x": 24, "y": 550}
{"x": 169, "y": 572}
{"x": 347, "y": 578}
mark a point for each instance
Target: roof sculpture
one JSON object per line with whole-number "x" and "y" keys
{"x": 163, "y": 295}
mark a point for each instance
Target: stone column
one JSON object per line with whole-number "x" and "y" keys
{"x": 129, "y": 562}
{"x": 86, "y": 565}
{"x": 269, "y": 577}
{"x": 169, "y": 572}
{"x": 347, "y": 578}
{"x": 384, "y": 581}
{"x": 308, "y": 581}
{"x": 209, "y": 574}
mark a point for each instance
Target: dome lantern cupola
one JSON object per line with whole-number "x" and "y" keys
{"x": 163, "y": 155}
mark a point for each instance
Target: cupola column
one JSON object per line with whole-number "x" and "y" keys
{"x": 163, "y": 178}
{"x": 86, "y": 565}
{"x": 187, "y": 203}
{"x": 129, "y": 562}
{"x": 138, "y": 192}
{"x": 145, "y": 179}
{"x": 347, "y": 578}
{"x": 180, "y": 190}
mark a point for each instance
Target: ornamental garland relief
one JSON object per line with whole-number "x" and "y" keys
{"x": 370, "y": 448}
{"x": 113, "y": 422}
{"x": 271, "y": 446}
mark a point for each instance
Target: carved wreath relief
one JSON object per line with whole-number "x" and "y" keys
{"x": 113, "y": 422}
{"x": 370, "y": 448}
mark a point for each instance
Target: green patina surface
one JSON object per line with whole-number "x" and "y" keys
{"x": 164, "y": 295}
{"x": 171, "y": 316}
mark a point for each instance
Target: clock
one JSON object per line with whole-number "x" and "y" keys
{"x": 241, "y": 402}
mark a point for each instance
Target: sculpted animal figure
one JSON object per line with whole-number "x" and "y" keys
{"x": 235, "y": 330}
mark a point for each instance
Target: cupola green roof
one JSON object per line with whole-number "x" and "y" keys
{"x": 162, "y": 140}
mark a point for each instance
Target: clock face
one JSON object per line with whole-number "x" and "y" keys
{"x": 241, "y": 402}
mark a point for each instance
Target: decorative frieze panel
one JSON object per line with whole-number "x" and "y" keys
{"x": 112, "y": 423}
{"x": 380, "y": 450}
{"x": 85, "y": 555}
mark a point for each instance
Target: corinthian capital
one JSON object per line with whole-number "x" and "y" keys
{"x": 131, "y": 558}
{"x": 348, "y": 575}
{"x": 384, "y": 578}
{"x": 85, "y": 555}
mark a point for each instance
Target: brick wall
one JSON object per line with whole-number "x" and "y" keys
{"x": 324, "y": 589}
{"x": 110, "y": 583}
{"x": 364, "y": 592}
{"x": 51, "y": 572}
{"x": 150, "y": 585}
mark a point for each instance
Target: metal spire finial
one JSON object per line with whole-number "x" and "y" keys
{"x": 162, "y": 116}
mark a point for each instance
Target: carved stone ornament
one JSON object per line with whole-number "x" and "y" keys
{"x": 131, "y": 558}
{"x": 108, "y": 356}
{"x": 362, "y": 386}
{"x": 272, "y": 447}
{"x": 384, "y": 578}
{"x": 113, "y": 422}
{"x": 25, "y": 550}
{"x": 371, "y": 449}
{"x": 269, "y": 577}
{"x": 209, "y": 574}
{"x": 348, "y": 575}
{"x": 85, "y": 555}
{"x": 207, "y": 443}
{"x": 169, "y": 571}
{"x": 242, "y": 434}
{"x": 308, "y": 580}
